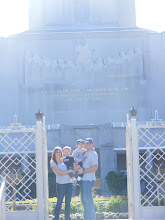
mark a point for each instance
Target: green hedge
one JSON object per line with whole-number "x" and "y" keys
{"x": 115, "y": 207}
{"x": 103, "y": 215}
{"x": 116, "y": 182}
{"x": 52, "y": 183}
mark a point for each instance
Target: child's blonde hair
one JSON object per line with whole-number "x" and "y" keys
{"x": 67, "y": 148}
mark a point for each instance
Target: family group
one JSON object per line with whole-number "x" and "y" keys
{"x": 76, "y": 168}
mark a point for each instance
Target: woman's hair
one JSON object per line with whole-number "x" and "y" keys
{"x": 53, "y": 158}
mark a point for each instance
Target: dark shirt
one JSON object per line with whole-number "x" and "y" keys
{"x": 68, "y": 161}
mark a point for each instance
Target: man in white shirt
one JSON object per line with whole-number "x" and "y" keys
{"x": 90, "y": 166}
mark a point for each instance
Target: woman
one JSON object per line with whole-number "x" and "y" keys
{"x": 63, "y": 182}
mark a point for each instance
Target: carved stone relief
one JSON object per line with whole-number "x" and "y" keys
{"x": 123, "y": 65}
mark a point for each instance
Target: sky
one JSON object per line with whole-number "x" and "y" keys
{"x": 150, "y": 14}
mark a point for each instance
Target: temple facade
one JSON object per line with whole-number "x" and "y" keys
{"x": 84, "y": 64}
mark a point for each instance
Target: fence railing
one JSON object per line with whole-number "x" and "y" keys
{"x": 2, "y": 201}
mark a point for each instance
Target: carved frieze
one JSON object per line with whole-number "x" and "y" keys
{"x": 84, "y": 66}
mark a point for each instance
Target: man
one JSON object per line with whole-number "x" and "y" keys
{"x": 90, "y": 165}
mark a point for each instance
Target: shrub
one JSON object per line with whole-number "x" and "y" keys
{"x": 106, "y": 215}
{"x": 75, "y": 207}
{"x": 52, "y": 183}
{"x": 97, "y": 207}
{"x": 113, "y": 209}
{"x": 102, "y": 215}
{"x": 73, "y": 217}
{"x": 116, "y": 204}
{"x": 123, "y": 215}
{"x": 110, "y": 215}
{"x": 62, "y": 217}
{"x": 97, "y": 215}
{"x": 51, "y": 208}
{"x": 115, "y": 217}
{"x": 116, "y": 182}
{"x": 76, "y": 216}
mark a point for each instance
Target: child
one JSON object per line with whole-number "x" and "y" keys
{"x": 69, "y": 161}
{"x": 78, "y": 155}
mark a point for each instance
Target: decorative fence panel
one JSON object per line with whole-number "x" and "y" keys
{"x": 21, "y": 162}
{"x": 146, "y": 168}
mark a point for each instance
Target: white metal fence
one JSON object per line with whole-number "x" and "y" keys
{"x": 146, "y": 169}
{"x": 2, "y": 201}
{"x": 23, "y": 161}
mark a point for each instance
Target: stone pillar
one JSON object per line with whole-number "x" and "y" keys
{"x": 126, "y": 13}
{"x": 36, "y": 14}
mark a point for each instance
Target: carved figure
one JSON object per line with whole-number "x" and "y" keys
{"x": 84, "y": 55}
{"x": 61, "y": 63}
{"x": 123, "y": 62}
{"x": 54, "y": 64}
{"x": 98, "y": 64}
{"x": 130, "y": 60}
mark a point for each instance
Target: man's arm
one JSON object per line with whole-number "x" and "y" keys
{"x": 89, "y": 170}
{"x": 74, "y": 165}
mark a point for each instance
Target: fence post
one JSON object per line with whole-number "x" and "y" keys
{"x": 129, "y": 169}
{"x": 135, "y": 171}
{"x": 3, "y": 200}
{"x": 39, "y": 167}
{"x": 45, "y": 173}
